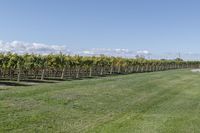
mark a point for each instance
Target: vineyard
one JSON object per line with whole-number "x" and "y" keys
{"x": 60, "y": 66}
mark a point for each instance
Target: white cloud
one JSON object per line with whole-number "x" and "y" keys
{"x": 41, "y": 48}
{"x": 88, "y": 52}
{"x": 108, "y": 52}
{"x": 38, "y": 48}
{"x": 143, "y": 52}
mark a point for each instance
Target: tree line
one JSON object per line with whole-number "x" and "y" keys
{"x": 59, "y": 66}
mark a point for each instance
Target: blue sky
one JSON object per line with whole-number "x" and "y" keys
{"x": 155, "y": 25}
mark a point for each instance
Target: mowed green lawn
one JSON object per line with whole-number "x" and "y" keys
{"x": 164, "y": 102}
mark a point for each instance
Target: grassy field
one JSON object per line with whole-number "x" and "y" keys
{"x": 164, "y": 102}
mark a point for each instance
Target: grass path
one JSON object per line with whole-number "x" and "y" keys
{"x": 164, "y": 102}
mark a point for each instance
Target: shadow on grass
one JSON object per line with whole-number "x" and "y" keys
{"x": 31, "y": 81}
{"x": 7, "y": 83}
{"x": 37, "y": 81}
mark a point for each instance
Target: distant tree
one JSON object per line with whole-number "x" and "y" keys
{"x": 139, "y": 57}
